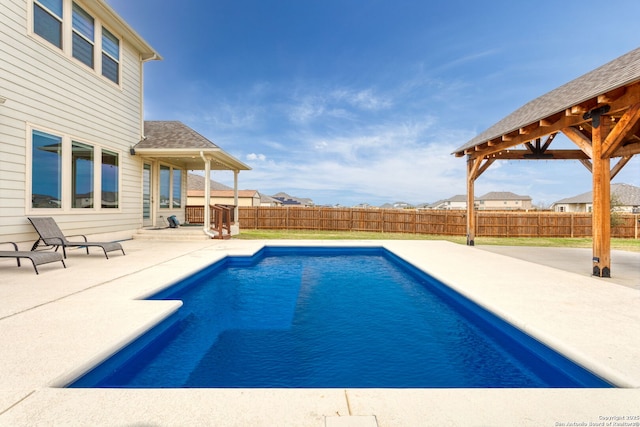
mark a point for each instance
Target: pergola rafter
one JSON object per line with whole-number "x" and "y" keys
{"x": 599, "y": 112}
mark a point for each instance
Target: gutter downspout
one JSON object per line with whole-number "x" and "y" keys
{"x": 207, "y": 197}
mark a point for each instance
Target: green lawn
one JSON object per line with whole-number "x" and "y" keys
{"x": 621, "y": 244}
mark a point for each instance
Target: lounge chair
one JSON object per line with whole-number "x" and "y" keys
{"x": 36, "y": 258}
{"x": 51, "y": 235}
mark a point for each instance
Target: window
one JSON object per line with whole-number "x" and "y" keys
{"x": 83, "y": 32}
{"x": 81, "y": 175}
{"x": 84, "y": 38}
{"x": 47, "y": 20}
{"x": 67, "y": 174}
{"x": 46, "y": 170}
{"x": 177, "y": 188}
{"x": 110, "y": 56}
{"x": 170, "y": 187}
{"x": 165, "y": 185}
{"x": 110, "y": 170}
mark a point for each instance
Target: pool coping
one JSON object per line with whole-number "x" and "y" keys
{"x": 583, "y": 317}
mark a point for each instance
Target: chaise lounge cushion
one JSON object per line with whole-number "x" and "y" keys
{"x": 37, "y": 258}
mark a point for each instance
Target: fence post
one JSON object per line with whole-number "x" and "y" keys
{"x": 572, "y": 217}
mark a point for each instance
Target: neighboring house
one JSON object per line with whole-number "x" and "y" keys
{"x": 397, "y": 205}
{"x": 220, "y": 194}
{"x": 224, "y": 197}
{"x": 288, "y": 200}
{"x": 456, "y": 202}
{"x": 269, "y": 201}
{"x": 361, "y": 206}
{"x": 495, "y": 200}
{"x": 624, "y": 198}
{"x": 223, "y": 194}
{"x": 503, "y": 201}
{"x": 71, "y": 118}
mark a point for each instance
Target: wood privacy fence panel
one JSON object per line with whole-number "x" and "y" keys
{"x": 442, "y": 222}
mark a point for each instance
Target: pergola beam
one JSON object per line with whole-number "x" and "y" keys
{"x": 619, "y": 165}
{"x": 580, "y": 139}
{"x": 627, "y": 125}
{"x": 548, "y": 154}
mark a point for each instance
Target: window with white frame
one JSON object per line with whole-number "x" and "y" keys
{"x": 176, "y": 194}
{"x": 110, "y": 179}
{"x": 82, "y": 35}
{"x": 59, "y": 162}
{"x": 170, "y": 187}
{"x": 87, "y": 35}
{"x": 110, "y": 56}
{"x": 46, "y": 170}
{"x": 47, "y": 20}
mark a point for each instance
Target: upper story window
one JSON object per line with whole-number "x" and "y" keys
{"x": 71, "y": 28}
{"x": 47, "y": 20}
{"x": 110, "y": 56}
{"x": 83, "y": 33}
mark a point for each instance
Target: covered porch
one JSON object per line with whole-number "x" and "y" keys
{"x": 168, "y": 150}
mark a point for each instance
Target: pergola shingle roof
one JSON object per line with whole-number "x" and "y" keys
{"x": 613, "y": 75}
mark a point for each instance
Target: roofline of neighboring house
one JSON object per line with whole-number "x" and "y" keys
{"x": 115, "y": 21}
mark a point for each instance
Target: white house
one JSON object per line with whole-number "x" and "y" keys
{"x": 456, "y": 202}
{"x": 624, "y": 198}
{"x": 503, "y": 201}
{"x": 71, "y": 113}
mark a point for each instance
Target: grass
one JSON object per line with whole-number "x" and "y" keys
{"x": 566, "y": 242}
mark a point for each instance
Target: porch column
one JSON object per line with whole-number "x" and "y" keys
{"x": 235, "y": 196}
{"x": 601, "y": 216}
{"x": 207, "y": 194}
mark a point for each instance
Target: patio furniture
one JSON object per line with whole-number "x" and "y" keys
{"x": 37, "y": 258}
{"x": 51, "y": 235}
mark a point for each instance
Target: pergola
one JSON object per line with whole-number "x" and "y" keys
{"x": 599, "y": 112}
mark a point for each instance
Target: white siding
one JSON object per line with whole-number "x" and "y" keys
{"x": 47, "y": 89}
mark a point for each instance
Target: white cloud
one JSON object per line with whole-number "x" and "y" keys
{"x": 258, "y": 157}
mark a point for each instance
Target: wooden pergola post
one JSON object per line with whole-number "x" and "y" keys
{"x": 601, "y": 216}
{"x": 473, "y": 165}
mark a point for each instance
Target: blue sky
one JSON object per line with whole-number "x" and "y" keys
{"x": 363, "y": 101}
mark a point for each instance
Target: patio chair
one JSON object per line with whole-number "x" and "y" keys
{"x": 36, "y": 258}
{"x": 51, "y": 235}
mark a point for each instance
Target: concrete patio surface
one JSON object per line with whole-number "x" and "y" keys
{"x": 56, "y": 325}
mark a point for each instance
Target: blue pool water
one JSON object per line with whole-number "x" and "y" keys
{"x": 330, "y": 317}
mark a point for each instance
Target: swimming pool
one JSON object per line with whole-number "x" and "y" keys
{"x": 330, "y": 317}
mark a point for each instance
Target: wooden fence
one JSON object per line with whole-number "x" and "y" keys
{"x": 441, "y": 222}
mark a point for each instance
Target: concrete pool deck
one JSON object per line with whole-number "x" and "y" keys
{"x": 56, "y": 325}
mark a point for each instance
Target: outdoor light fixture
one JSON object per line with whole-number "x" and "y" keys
{"x": 132, "y": 151}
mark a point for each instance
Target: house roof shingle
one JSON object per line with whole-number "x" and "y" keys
{"x": 179, "y": 144}
{"x": 625, "y": 194}
{"x": 197, "y": 182}
{"x": 172, "y": 134}
{"x": 502, "y": 195}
